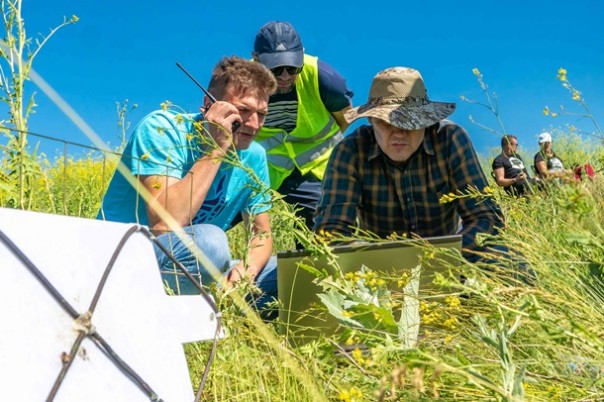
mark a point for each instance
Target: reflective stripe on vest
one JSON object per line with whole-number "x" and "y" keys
{"x": 309, "y": 145}
{"x": 300, "y": 160}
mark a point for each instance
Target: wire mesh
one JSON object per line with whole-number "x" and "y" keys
{"x": 30, "y": 181}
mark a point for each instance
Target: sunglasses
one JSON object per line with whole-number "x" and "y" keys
{"x": 291, "y": 70}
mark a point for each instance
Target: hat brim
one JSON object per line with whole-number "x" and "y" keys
{"x": 403, "y": 116}
{"x": 278, "y": 59}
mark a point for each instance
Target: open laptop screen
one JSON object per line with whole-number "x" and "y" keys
{"x": 298, "y": 293}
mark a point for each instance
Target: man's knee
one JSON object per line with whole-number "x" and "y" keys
{"x": 213, "y": 242}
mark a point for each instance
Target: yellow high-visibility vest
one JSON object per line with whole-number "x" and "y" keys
{"x": 309, "y": 145}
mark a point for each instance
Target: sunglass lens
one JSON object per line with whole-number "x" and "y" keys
{"x": 291, "y": 70}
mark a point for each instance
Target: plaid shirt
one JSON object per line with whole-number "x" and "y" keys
{"x": 403, "y": 198}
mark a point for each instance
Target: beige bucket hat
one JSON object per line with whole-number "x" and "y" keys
{"x": 398, "y": 96}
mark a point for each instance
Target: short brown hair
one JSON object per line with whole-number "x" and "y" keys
{"x": 505, "y": 140}
{"x": 242, "y": 75}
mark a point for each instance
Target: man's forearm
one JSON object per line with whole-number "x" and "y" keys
{"x": 183, "y": 198}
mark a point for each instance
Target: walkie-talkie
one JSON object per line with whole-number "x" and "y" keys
{"x": 236, "y": 124}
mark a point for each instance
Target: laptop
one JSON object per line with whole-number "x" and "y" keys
{"x": 298, "y": 295}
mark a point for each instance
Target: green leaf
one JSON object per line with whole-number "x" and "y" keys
{"x": 334, "y": 303}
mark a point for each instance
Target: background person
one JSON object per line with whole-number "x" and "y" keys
{"x": 391, "y": 175}
{"x": 509, "y": 170}
{"x": 183, "y": 161}
{"x": 547, "y": 163}
{"x": 305, "y": 116}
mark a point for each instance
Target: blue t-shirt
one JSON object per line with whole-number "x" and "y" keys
{"x": 165, "y": 143}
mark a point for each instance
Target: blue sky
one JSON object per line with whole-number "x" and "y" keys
{"x": 128, "y": 49}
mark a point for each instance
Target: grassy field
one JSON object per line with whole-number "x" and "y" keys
{"x": 504, "y": 335}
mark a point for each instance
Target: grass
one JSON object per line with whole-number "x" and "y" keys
{"x": 503, "y": 340}
{"x": 493, "y": 338}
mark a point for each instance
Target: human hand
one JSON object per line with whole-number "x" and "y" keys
{"x": 224, "y": 118}
{"x": 238, "y": 273}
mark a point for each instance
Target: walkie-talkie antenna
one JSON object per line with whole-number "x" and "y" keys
{"x": 205, "y": 91}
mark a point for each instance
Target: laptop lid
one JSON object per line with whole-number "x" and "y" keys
{"x": 298, "y": 293}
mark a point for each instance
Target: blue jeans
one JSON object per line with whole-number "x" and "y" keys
{"x": 213, "y": 242}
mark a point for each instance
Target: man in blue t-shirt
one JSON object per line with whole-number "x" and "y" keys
{"x": 305, "y": 118}
{"x": 201, "y": 170}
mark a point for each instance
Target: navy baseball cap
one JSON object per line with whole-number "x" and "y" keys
{"x": 278, "y": 44}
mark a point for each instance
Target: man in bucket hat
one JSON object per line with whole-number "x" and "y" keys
{"x": 390, "y": 176}
{"x": 305, "y": 116}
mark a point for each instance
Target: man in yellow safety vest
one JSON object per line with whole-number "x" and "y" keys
{"x": 305, "y": 116}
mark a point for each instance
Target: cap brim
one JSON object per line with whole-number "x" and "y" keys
{"x": 278, "y": 59}
{"x": 404, "y": 117}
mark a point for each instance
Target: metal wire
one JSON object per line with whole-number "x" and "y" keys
{"x": 84, "y": 320}
{"x": 206, "y": 296}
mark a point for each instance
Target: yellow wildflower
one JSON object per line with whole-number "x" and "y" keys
{"x": 452, "y": 301}
{"x": 448, "y": 339}
{"x": 562, "y": 74}
{"x": 349, "y": 341}
{"x": 546, "y": 111}
{"x": 344, "y": 396}
{"x": 74, "y": 19}
{"x": 450, "y": 323}
{"x": 576, "y": 95}
{"x": 476, "y": 72}
{"x": 403, "y": 280}
{"x": 165, "y": 105}
{"x": 356, "y": 393}
{"x": 352, "y": 395}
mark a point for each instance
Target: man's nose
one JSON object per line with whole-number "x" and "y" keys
{"x": 254, "y": 121}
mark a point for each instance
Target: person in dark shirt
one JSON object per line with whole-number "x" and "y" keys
{"x": 509, "y": 170}
{"x": 390, "y": 177}
{"x": 547, "y": 163}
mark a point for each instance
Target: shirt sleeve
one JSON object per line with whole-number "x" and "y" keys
{"x": 333, "y": 89}
{"x": 497, "y": 163}
{"x": 478, "y": 215}
{"x": 341, "y": 189}
{"x": 158, "y": 146}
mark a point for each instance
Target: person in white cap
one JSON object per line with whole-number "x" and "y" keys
{"x": 390, "y": 177}
{"x": 547, "y": 163}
